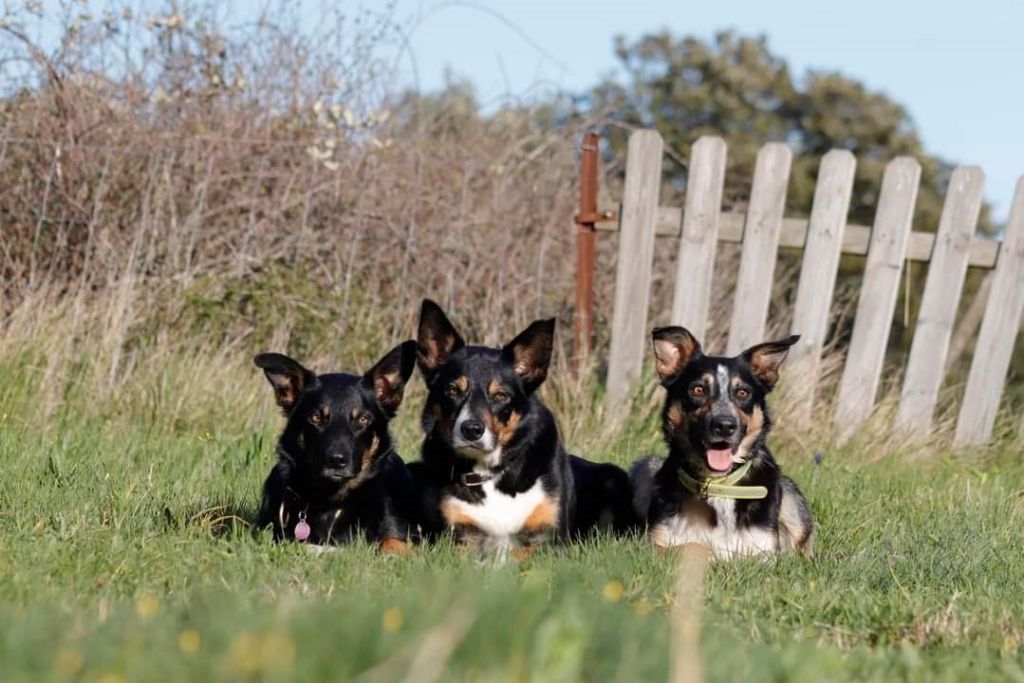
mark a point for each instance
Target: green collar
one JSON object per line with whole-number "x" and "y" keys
{"x": 724, "y": 487}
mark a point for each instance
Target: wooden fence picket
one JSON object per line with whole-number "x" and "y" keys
{"x": 696, "y": 262}
{"x": 633, "y": 271}
{"x": 818, "y": 273}
{"x": 946, "y": 273}
{"x": 760, "y": 247}
{"x": 998, "y": 332}
{"x": 824, "y": 237}
{"x": 878, "y": 295}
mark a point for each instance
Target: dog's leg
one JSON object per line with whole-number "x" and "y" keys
{"x": 394, "y": 547}
{"x": 796, "y": 527}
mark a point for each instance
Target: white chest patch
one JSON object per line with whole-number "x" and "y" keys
{"x": 499, "y": 514}
{"x": 724, "y": 539}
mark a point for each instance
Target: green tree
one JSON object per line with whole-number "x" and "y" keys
{"x": 734, "y": 87}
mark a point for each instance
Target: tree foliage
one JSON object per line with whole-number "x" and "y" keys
{"x": 736, "y": 88}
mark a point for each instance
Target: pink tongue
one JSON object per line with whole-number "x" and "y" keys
{"x": 720, "y": 459}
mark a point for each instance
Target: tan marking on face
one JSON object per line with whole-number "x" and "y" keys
{"x": 752, "y": 424}
{"x": 394, "y": 546}
{"x": 369, "y": 455}
{"x": 462, "y": 383}
{"x": 507, "y": 431}
{"x": 543, "y": 517}
{"x": 491, "y": 421}
{"x": 495, "y": 387}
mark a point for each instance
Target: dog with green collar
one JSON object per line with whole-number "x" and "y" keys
{"x": 719, "y": 486}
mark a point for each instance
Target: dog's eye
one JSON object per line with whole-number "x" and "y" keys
{"x": 697, "y": 390}
{"x": 316, "y": 418}
{"x": 364, "y": 420}
{"x": 501, "y": 396}
{"x": 742, "y": 393}
{"x": 453, "y": 390}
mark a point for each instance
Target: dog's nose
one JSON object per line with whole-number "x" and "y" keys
{"x": 472, "y": 430}
{"x": 338, "y": 460}
{"x": 723, "y": 426}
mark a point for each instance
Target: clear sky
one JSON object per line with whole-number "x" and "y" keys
{"x": 957, "y": 66}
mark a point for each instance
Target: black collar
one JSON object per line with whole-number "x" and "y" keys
{"x": 472, "y": 479}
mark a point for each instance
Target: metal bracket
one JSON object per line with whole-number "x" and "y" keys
{"x": 596, "y": 217}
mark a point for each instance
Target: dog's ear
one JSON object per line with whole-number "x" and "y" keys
{"x": 766, "y": 359}
{"x": 288, "y": 378}
{"x": 530, "y": 352}
{"x": 388, "y": 377}
{"x": 674, "y": 348}
{"x": 436, "y": 340}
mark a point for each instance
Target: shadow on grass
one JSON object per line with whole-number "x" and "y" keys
{"x": 218, "y": 520}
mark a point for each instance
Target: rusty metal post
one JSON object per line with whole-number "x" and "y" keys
{"x": 586, "y": 250}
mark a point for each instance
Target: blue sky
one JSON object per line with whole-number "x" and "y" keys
{"x": 957, "y": 66}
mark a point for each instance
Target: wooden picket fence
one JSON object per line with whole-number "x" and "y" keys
{"x": 701, "y": 224}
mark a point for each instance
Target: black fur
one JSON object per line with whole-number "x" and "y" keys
{"x": 337, "y": 464}
{"x": 712, "y": 430}
{"x": 506, "y": 435}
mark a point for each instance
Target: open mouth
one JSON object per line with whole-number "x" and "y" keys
{"x": 719, "y": 456}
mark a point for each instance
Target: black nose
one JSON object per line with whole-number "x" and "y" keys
{"x": 338, "y": 460}
{"x": 723, "y": 426}
{"x": 472, "y": 430}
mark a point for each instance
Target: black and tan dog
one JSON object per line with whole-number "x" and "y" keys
{"x": 719, "y": 485}
{"x": 494, "y": 471}
{"x": 337, "y": 475}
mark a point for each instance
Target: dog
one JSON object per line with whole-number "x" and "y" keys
{"x": 337, "y": 474}
{"x": 719, "y": 486}
{"x": 493, "y": 470}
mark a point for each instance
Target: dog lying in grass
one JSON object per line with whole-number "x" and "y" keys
{"x": 494, "y": 470}
{"x": 719, "y": 485}
{"x": 337, "y": 473}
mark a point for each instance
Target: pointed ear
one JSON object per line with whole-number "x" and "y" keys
{"x": 530, "y": 352}
{"x": 388, "y": 377}
{"x": 288, "y": 378}
{"x": 766, "y": 359}
{"x": 674, "y": 347}
{"x": 436, "y": 340}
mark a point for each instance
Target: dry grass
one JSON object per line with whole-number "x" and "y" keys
{"x": 220, "y": 193}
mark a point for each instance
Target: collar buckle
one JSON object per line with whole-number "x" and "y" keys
{"x": 473, "y": 479}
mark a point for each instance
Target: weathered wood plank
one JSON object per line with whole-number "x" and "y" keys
{"x": 818, "y": 274}
{"x": 998, "y": 332}
{"x": 760, "y": 247}
{"x": 878, "y": 294}
{"x": 927, "y": 363}
{"x": 794, "y": 233}
{"x": 696, "y": 261}
{"x": 633, "y": 271}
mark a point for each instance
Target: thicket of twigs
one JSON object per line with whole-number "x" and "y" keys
{"x": 170, "y": 182}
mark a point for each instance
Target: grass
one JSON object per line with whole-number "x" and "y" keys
{"x": 125, "y": 554}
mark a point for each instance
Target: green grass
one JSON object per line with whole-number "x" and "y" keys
{"x": 125, "y": 555}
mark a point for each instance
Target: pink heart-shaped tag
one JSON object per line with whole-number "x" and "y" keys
{"x": 302, "y": 531}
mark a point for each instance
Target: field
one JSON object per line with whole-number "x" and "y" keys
{"x": 126, "y": 554}
{"x": 174, "y": 199}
